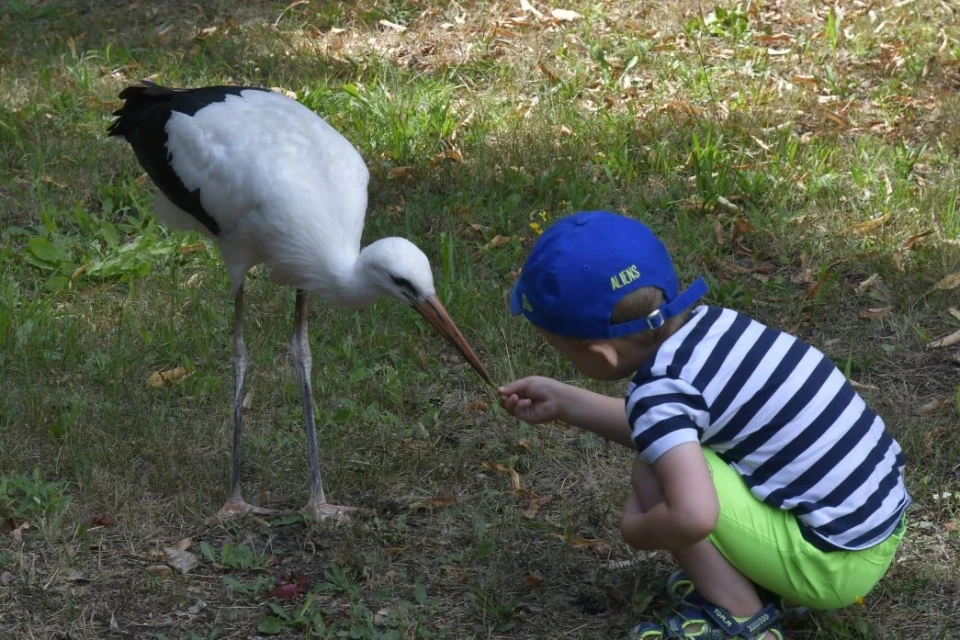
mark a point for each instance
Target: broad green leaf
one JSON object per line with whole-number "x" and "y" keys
{"x": 109, "y": 234}
{"x": 45, "y": 251}
{"x": 270, "y": 626}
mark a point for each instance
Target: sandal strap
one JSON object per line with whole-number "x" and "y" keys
{"x": 752, "y": 628}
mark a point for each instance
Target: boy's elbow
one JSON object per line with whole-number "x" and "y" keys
{"x": 696, "y": 524}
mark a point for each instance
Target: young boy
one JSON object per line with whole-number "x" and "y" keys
{"x": 758, "y": 466}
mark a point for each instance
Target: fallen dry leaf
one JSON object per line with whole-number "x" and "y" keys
{"x": 101, "y": 520}
{"x": 192, "y": 248}
{"x": 17, "y": 534}
{"x": 54, "y": 182}
{"x": 286, "y": 92}
{"x": 812, "y": 290}
{"x": 499, "y": 468}
{"x": 454, "y": 155}
{"x": 869, "y": 283}
{"x": 399, "y": 173}
{"x": 873, "y": 223}
{"x": 776, "y": 38}
{"x": 929, "y": 408}
{"x": 952, "y": 281}
{"x": 807, "y": 80}
{"x": 497, "y": 241}
{"x": 946, "y": 341}
{"x": 598, "y": 546}
{"x": 182, "y": 560}
{"x": 247, "y": 401}
{"x": 859, "y": 386}
{"x": 183, "y": 544}
{"x": 955, "y": 312}
{"x": 479, "y": 407}
{"x": 163, "y": 378}
{"x": 392, "y": 25}
{"x": 565, "y": 15}
{"x": 78, "y": 272}
{"x": 206, "y": 32}
{"x": 442, "y": 499}
{"x": 287, "y": 591}
{"x": 160, "y": 571}
{"x": 534, "y": 579}
{"x": 526, "y": 6}
{"x": 534, "y": 506}
{"x": 914, "y": 240}
{"x": 875, "y": 313}
{"x": 289, "y": 586}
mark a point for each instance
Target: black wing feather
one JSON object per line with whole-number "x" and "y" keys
{"x": 142, "y": 121}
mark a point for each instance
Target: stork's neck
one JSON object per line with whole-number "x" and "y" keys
{"x": 355, "y": 286}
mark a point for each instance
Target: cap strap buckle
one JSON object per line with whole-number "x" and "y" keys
{"x": 655, "y": 320}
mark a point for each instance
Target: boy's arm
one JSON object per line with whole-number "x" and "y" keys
{"x": 603, "y": 415}
{"x": 689, "y": 509}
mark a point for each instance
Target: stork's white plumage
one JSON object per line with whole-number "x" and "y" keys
{"x": 272, "y": 183}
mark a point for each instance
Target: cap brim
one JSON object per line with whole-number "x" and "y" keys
{"x": 516, "y": 300}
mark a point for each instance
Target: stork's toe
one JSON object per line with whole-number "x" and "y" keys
{"x": 234, "y": 508}
{"x": 316, "y": 510}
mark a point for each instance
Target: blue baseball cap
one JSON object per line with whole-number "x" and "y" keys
{"x": 584, "y": 264}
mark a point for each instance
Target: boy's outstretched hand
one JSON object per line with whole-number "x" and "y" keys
{"x": 535, "y": 399}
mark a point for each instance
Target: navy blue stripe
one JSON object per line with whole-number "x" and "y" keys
{"x": 692, "y": 341}
{"x": 886, "y": 526}
{"x": 720, "y": 352}
{"x": 744, "y": 370}
{"x": 862, "y": 513}
{"x": 646, "y": 369}
{"x": 743, "y": 416}
{"x": 694, "y": 401}
{"x": 857, "y": 478}
{"x": 809, "y": 535}
{"x": 803, "y": 396}
{"x": 665, "y": 427}
{"x": 840, "y": 450}
{"x": 805, "y": 438}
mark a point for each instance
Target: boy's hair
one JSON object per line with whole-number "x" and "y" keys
{"x": 640, "y": 304}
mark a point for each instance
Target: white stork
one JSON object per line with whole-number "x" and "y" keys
{"x": 272, "y": 183}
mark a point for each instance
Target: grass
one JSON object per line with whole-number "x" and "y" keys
{"x": 803, "y": 157}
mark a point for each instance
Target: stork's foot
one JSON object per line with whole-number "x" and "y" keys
{"x": 317, "y": 510}
{"x": 234, "y": 508}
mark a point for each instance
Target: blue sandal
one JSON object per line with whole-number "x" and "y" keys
{"x": 711, "y": 622}
{"x": 683, "y": 593}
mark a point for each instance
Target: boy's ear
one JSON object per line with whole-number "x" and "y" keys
{"x": 605, "y": 350}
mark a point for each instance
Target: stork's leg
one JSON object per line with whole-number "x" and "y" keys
{"x": 317, "y": 507}
{"x": 235, "y": 504}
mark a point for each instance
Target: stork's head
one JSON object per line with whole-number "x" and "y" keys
{"x": 400, "y": 269}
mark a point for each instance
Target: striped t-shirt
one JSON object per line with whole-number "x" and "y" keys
{"x": 782, "y": 415}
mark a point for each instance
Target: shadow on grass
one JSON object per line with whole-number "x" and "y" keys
{"x": 158, "y": 457}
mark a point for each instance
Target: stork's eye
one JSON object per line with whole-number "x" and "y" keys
{"x": 404, "y": 284}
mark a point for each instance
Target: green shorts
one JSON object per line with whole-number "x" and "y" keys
{"x": 765, "y": 544}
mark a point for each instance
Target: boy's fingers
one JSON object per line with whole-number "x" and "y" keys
{"x": 517, "y": 386}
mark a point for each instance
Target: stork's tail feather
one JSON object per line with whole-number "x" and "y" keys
{"x": 138, "y": 102}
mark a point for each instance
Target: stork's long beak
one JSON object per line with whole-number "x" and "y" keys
{"x": 433, "y": 312}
